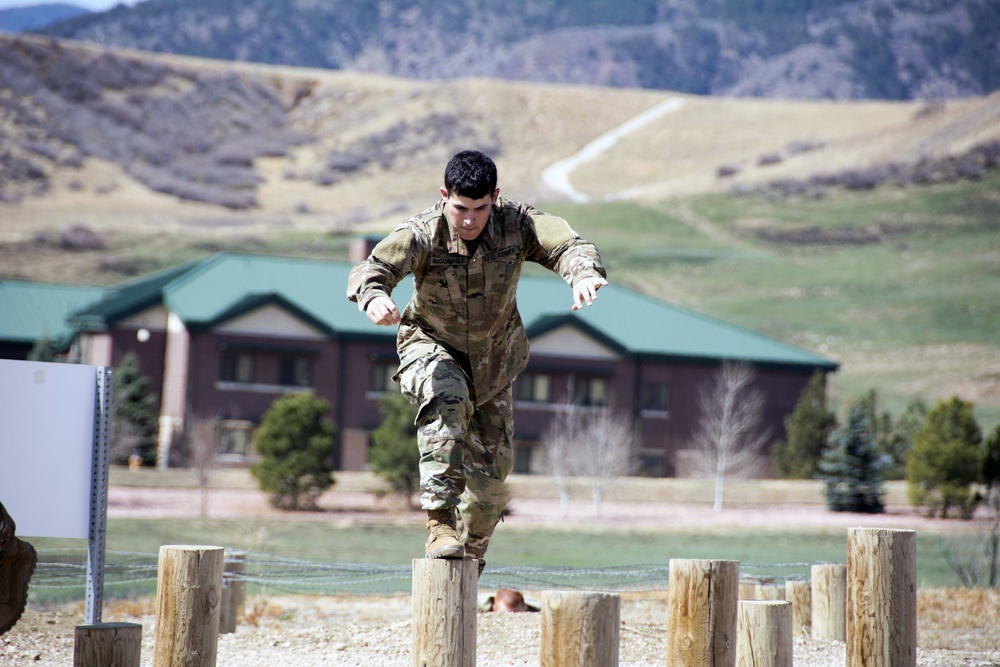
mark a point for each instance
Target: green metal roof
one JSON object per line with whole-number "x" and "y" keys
{"x": 634, "y": 323}
{"x": 32, "y": 311}
{"x": 208, "y": 292}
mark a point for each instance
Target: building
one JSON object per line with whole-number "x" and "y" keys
{"x": 225, "y": 336}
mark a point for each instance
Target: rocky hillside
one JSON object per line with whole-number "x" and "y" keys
{"x": 799, "y": 49}
{"x": 337, "y": 150}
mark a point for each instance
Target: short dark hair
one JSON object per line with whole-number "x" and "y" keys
{"x": 471, "y": 174}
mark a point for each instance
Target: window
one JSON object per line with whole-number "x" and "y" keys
{"x": 236, "y": 367}
{"x": 522, "y": 460}
{"x": 651, "y": 464}
{"x": 589, "y": 391}
{"x": 380, "y": 377}
{"x": 533, "y": 388}
{"x": 235, "y": 440}
{"x": 656, "y": 397}
{"x": 295, "y": 372}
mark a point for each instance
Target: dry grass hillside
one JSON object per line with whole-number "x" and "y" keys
{"x": 369, "y": 149}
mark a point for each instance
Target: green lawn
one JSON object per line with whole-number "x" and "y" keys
{"x": 900, "y": 284}
{"x": 329, "y": 559}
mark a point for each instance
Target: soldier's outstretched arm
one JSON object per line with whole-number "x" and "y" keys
{"x": 585, "y": 291}
{"x": 382, "y": 311}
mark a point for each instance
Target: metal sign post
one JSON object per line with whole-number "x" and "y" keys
{"x": 99, "y": 495}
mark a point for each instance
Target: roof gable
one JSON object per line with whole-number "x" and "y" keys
{"x": 269, "y": 315}
{"x": 569, "y": 340}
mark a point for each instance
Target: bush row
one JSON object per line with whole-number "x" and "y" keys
{"x": 433, "y": 138}
{"x": 971, "y": 165}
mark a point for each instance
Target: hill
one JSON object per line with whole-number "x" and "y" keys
{"x": 804, "y": 49}
{"x": 805, "y": 220}
{"x": 31, "y": 17}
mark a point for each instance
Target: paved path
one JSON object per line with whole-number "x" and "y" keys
{"x": 556, "y": 175}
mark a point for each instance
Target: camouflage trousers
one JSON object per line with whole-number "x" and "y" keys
{"x": 465, "y": 449}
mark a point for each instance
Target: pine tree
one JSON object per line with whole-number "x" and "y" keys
{"x": 808, "y": 428}
{"x": 946, "y": 460}
{"x": 295, "y": 443}
{"x": 852, "y": 465}
{"x": 134, "y": 426}
{"x": 43, "y": 350}
{"x": 394, "y": 456}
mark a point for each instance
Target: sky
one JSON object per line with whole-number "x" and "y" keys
{"x": 93, "y": 5}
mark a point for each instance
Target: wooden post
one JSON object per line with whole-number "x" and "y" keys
{"x": 444, "y": 612}
{"x": 772, "y": 592}
{"x": 107, "y": 645}
{"x": 188, "y": 597}
{"x": 764, "y": 634}
{"x": 701, "y": 613}
{"x": 882, "y": 598}
{"x": 579, "y": 629}
{"x": 748, "y": 590}
{"x": 829, "y": 600}
{"x": 233, "y": 590}
{"x": 799, "y": 593}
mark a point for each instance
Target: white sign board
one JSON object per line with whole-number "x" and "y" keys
{"x": 47, "y": 434}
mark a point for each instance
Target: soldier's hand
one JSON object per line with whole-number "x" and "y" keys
{"x": 382, "y": 311}
{"x": 585, "y": 291}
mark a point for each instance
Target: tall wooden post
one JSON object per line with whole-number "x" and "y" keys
{"x": 882, "y": 598}
{"x": 444, "y": 612}
{"x": 764, "y": 634}
{"x": 188, "y": 596}
{"x": 107, "y": 645}
{"x": 701, "y": 621}
{"x": 799, "y": 593}
{"x": 233, "y": 590}
{"x": 579, "y": 629}
{"x": 829, "y": 600}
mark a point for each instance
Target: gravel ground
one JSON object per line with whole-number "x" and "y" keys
{"x": 304, "y": 631}
{"x": 955, "y": 628}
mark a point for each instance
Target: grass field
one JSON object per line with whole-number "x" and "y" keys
{"x": 579, "y": 557}
{"x": 902, "y": 286}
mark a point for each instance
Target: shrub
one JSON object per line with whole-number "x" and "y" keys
{"x": 946, "y": 460}
{"x": 295, "y": 444}
{"x": 807, "y": 428}
{"x": 394, "y": 456}
{"x": 134, "y": 425}
{"x": 852, "y": 467}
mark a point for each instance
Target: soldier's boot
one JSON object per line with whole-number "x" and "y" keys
{"x": 442, "y": 538}
{"x": 17, "y": 563}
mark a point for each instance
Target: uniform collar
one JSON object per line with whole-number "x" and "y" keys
{"x": 488, "y": 240}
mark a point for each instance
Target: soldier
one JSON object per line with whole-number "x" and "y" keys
{"x": 17, "y": 563}
{"x": 460, "y": 340}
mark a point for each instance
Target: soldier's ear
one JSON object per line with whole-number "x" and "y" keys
{"x": 496, "y": 193}
{"x": 444, "y": 193}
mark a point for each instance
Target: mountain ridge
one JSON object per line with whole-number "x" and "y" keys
{"x": 817, "y": 49}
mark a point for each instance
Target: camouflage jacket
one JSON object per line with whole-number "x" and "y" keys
{"x": 467, "y": 302}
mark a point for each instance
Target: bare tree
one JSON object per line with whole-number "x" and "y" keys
{"x": 603, "y": 450}
{"x": 558, "y": 444}
{"x": 729, "y": 441}
{"x": 977, "y": 562}
{"x": 202, "y": 457}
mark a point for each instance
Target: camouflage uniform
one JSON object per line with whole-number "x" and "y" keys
{"x": 461, "y": 343}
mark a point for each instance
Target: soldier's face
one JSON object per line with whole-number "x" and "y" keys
{"x": 468, "y": 217}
